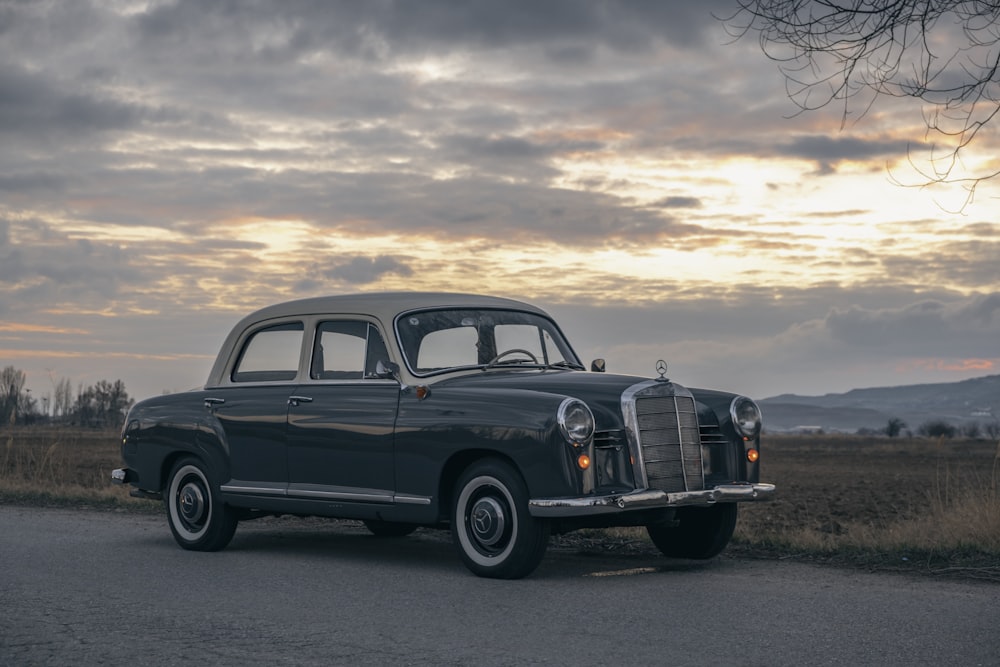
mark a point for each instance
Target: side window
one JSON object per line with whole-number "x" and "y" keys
{"x": 271, "y": 354}
{"x": 347, "y": 350}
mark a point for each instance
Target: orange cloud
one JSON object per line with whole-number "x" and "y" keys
{"x": 961, "y": 365}
{"x": 20, "y": 327}
{"x": 90, "y": 354}
{"x": 597, "y": 134}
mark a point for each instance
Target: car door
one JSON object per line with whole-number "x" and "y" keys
{"x": 340, "y": 422}
{"x": 252, "y": 408}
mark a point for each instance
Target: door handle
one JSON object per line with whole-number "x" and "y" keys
{"x": 212, "y": 402}
{"x": 295, "y": 400}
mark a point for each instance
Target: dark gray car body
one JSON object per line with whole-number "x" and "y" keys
{"x": 389, "y": 446}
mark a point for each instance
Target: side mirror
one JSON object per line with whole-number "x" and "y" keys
{"x": 387, "y": 369}
{"x": 390, "y": 371}
{"x": 597, "y": 365}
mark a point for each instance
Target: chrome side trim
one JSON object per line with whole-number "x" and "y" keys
{"x": 412, "y": 500}
{"x": 340, "y": 493}
{"x": 648, "y": 499}
{"x": 251, "y": 489}
{"x": 323, "y": 492}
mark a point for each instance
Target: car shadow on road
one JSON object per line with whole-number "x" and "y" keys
{"x": 432, "y": 549}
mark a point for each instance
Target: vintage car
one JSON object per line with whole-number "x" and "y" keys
{"x": 441, "y": 410}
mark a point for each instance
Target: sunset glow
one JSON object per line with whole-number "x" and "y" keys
{"x": 636, "y": 172}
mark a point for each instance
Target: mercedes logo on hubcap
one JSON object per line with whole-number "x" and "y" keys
{"x": 483, "y": 521}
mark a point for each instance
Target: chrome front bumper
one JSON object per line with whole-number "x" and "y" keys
{"x": 647, "y": 499}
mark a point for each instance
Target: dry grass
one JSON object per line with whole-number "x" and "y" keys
{"x": 933, "y": 504}
{"x": 914, "y": 504}
{"x": 61, "y": 466}
{"x": 952, "y": 517}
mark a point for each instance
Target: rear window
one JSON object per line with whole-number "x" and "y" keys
{"x": 271, "y": 354}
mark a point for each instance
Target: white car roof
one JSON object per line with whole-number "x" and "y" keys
{"x": 384, "y": 306}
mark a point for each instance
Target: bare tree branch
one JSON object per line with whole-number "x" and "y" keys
{"x": 944, "y": 53}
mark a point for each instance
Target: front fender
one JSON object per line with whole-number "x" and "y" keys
{"x": 713, "y": 410}
{"x": 465, "y": 424}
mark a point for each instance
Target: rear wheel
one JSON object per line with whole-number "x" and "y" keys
{"x": 702, "y": 533}
{"x": 198, "y": 519}
{"x": 389, "y": 528}
{"x": 491, "y": 527}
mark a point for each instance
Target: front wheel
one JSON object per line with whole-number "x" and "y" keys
{"x": 491, "y": 527}
{"x": 198, "y": 519}
{"x": 702, "y": 532}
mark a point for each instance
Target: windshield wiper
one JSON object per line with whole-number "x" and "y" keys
{"x": 528, "y": 363}
{"x": 567, "y": 364}
{"x": 511, "y": 362}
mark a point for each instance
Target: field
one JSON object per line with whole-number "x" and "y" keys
{"x": 907, "y": 504}
{"x": 918, "y": 505}
{"x": 61, "y": 466}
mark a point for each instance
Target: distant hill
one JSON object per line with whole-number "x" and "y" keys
{"x": 959, "y": 403}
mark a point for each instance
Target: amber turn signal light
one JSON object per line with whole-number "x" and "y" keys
{"x": 752, "y": 455}
{"x": 583, "y": 461}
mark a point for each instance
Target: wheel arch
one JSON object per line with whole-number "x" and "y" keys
{"x": 458, "y": 463}
{"x": 170, "y": 460}
{"x": 207, "y": 449}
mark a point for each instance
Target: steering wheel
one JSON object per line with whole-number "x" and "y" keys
{"x": 495, "y": 360}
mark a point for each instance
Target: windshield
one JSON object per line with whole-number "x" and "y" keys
{"x": 435, "y": 341}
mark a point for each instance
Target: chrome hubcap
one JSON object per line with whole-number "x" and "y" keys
{"x": 191, "y": 503}
{"x": 487, "y": 521}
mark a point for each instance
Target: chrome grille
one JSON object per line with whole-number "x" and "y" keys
{"x": 670, "y": 442}
{"x": 712, "y": 435}
{"x": 713, "y": 452}
{"x": 609, "y": 439}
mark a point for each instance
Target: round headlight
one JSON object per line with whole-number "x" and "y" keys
{"x": 746, "y": 416}
{"x": 576, "y": 421}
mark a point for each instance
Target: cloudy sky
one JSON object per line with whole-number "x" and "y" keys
{"x": 165, "y": 167}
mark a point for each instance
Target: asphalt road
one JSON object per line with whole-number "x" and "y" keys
{"x": 84, "y": 587}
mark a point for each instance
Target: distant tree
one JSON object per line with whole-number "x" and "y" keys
{"x": 894, "y": 427}
{"x": 992, "y": 430}
{"x": 937, "y": 428}
{"x": 62, "y": 403}
{"x": 942, "y": 53}
{"x": 16, "y": 403}
{"x": 972, "y": 431}
{"x": 102, "y": 404}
